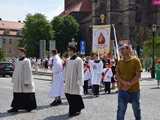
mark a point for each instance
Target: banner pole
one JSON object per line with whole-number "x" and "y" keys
{"x": 98, "y": 55}
{"x": 116, "y": 42}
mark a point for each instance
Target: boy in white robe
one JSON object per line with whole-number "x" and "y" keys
{"x": 97, "y": 68}
{"x": 57, "y": 88}
{"x": 106, "y": 78}
{"x": 87, "y": 76}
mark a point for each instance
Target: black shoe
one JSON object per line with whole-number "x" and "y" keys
{"x": 74, "y": 114}
{"x": 56, "y": 102}
{"x": 59, "y": 102}
{"x": 29, "y": 110}
{"x": 12, "y": 110}
{"x": 96, "y": 95}
{"x": 53, "y": 103}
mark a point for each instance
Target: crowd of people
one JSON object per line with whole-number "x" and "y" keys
{"x": 76, "y": 73}
{"x": 39, "y": 64}
{"x": 73, "y": 75}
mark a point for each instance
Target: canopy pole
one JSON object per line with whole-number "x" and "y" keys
{"x": 116, "y": 42}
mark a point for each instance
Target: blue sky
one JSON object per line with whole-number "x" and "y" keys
{"x": 17, "y": 9}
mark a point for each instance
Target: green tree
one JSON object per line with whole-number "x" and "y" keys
{"x": 36, "y": 28}
{"x": 148, "y": 47}
{"x": 66, "y": 28}
{"x": 142, "y": 33}
{"x": 2, "y": 55}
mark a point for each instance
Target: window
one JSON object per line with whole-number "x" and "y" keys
{"x": 19, "y": 33}
{"x": 10, "y": 41}
{"x": 4, "y": 41}
{"x": 6, "y": 32}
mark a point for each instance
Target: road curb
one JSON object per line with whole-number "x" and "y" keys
{"x": 42, "y": 73}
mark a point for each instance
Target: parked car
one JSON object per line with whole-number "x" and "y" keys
{"x": 6, "y": 68}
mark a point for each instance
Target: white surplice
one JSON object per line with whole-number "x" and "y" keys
{"x": 107, "y": 74}
{"x": 97, "y": 69}
{"x": 57, "y": 88}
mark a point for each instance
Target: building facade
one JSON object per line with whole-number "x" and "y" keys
{"x": 133, "y": 19}
{"x": 82, "y": 11}
{"x": 10, "y": 35}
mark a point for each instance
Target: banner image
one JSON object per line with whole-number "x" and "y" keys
{"x": 101, "y": 39}
{"x": 156, "y": 2}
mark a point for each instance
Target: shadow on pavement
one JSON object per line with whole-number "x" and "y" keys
{"x": 59, "y": 117}
{"x": 88, "y": 97}
{"x": 48, "y": 106}
{"x": 42, "y": 79}
{"x": 147, "y": 79}
{"x": 5, "y": 77}
{"x": 43, "y": 107}
{"x": 6, "y": 114}
{"x": 155, "y": 88}
{"x": 150, "y": 85}
{"x": 112, "y": 93}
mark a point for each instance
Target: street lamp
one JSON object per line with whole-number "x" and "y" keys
{"x": 153, "y": 51}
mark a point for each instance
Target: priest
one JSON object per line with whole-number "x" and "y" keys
{"x": 23, "y": 85}
{"x": 74, "y": 82}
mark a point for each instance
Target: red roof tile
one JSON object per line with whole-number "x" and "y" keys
{"x": 82, "y": 6}
{"x": 11, "y": 25}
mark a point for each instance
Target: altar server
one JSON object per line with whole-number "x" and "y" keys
{"x": 57, "y": 88}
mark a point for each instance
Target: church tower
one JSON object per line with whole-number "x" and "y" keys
{"x": 119, "y": 12}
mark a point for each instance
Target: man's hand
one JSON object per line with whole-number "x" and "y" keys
{"x": 125, "y": 85}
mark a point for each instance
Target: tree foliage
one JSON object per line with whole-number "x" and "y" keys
{"x": 142, "y": 33}
{"x": 66, "y": 28}
{"x": 2, "y": 54}
{"x": 36, "y": 28}
{"x": 148, "y": 47}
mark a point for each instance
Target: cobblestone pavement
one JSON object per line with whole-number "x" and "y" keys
{"x": 101, "y": 108}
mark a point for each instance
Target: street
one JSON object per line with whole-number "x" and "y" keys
{"x": 101, "y": 108}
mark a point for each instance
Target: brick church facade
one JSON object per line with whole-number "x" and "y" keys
{"x": 133, "y": 19}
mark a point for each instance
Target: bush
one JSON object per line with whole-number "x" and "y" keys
{"x": 2, "y": 55}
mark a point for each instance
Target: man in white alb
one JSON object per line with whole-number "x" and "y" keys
{"x": 57, "y": 88}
